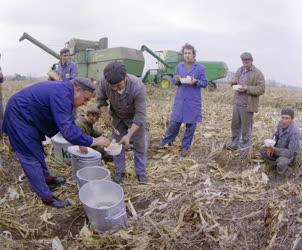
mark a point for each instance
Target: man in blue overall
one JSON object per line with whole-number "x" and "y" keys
{"x": 67, "y": 69}
{"x": 187, "y": 102}
{"x": 43, "y": 109}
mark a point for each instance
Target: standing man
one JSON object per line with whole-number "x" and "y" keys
{"x": 187, "y": 103}
{"x": 287, "y": 137}
{"x": 1, "y": 102}
{"x": 245, "y": 104}
{"x": 67, "y": 69}
{"x": 43, "y": 109}
{"x": 127, "y": 98}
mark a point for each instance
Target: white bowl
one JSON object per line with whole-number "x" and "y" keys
{"x": 236, "y": 87}
{"x": 115, "y": 151}
{"x": 269, "y": 143}
{"x": 186, "y": 80}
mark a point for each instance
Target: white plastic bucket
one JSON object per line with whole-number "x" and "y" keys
{"x": 104, "y": 204}
{"x": 87, "y": 174}
{"x": 60, "y": 146}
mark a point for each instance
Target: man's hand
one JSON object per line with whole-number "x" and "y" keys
{"x": 101, "y": 142}
{"x": 125, "y": 140}
{"x": 193, "y": 81}
{"x": 83, "y": 149}
{"x": 177, "y": 78}
{"x": 270, "y": 151}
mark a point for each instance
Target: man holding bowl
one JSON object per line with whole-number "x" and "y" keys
{"x": 283, "y": 148}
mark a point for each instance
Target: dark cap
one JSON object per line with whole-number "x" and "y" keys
{"x": 288, "y": 111}
{"x": 63, "y": 51}
{"x": 84, "y": 83}
{"x": 115, "y": 72}
{"x": 246, "y": 56}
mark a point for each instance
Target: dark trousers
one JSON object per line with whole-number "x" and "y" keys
{"x": 173, "y": 130}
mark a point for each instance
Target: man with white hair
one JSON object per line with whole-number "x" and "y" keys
{"x": 41, "y": 109}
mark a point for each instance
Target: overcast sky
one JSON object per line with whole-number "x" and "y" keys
{"x": 220, "y": 30}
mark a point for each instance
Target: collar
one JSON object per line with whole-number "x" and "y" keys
{"x": 127, "y": 90}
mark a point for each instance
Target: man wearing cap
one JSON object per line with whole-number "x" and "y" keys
{"x": 245, "y": 104}
{"x": 67, "y": 69}
{"x": 127, "y": 98}
{"x": 41, "y": 109}
{"x": 287, "y": 137}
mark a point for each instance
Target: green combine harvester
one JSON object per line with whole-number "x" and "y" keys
{"x": 167, "y": 62}
{"x": 92, "y": 57}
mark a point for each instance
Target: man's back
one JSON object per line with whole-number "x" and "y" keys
{"x": 34, "y": 104}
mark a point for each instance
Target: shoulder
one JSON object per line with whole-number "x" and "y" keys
{"x": 135, "y": 82}
{"x": 180, "y": 65}
{"x": 295, "y": 128}
{"x": 258, "y": 71}
{"x": 199, "y": 66}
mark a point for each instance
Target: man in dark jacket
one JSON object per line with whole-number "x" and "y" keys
{"x": 287, "y": 137}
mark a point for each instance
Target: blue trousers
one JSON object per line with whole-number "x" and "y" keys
{"x": 140, "y": 158}
{"x": 173, "y": 130}
{"x": 36, "y": 173}
{"x": 140, "y": 161}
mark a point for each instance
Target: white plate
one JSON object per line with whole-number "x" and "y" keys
{"x": 186, "y": 80}
{"x": 75, "y": 150}
{"x": 269, "y": 143}
{"x": 236, "y": 87}
{"x": 115, "y": 151}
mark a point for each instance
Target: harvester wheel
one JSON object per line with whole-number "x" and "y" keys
{"x": 165, "y": 82}
{"x": 212, "y": 86}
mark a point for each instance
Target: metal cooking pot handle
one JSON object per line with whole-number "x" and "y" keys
{"x": 115, "y": 221}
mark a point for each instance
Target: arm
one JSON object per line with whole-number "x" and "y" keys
{"x": 101, "y": 97}
{"x": 235, "y": 79}
{"x": 62, "y": 112}
{"x": 139, "y": 119}
{"x": 176, "y": 77}
{"x": 259, "y": 88}
{"x": 202, "y": 81}
{"x": 73, "y": 71}
{"x": 292, "y": 147}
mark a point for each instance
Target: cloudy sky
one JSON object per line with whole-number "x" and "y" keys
{"x": 220, "y": 30}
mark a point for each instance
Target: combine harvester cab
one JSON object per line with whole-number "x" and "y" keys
{"x": 91, "y": 57}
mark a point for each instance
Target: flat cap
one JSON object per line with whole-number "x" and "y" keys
{"x": 288, "y": 111}
{"x": 84, "y": 83}
{"x": 246, "y": 56}
{"x": 64, "y": 50}
{"x": 115, "y": 72}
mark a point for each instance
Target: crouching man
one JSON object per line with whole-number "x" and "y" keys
{"x": 287, "y": 138}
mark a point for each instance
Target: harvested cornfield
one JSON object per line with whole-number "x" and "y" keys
{"x": 209, "y": 200}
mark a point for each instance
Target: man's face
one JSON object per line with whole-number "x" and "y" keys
{"x": 286, "y": 120}
{"x": 81, "y": 97}
{"x": 118, "y": 86}
{"x": 247, "y": 63}
{"x": 188, "y": 55}
{"x": 92, "y": 118}
{"x": 65, "y": 57}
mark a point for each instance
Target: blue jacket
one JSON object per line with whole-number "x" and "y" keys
{"x": 68, "y": 71}
{"x": 187, "y": 103}
{"x": 41, "y": 109}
